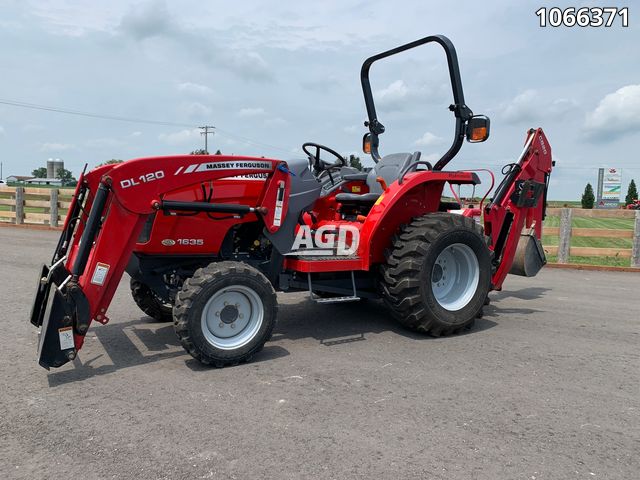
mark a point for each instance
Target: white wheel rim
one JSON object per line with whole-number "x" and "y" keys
{"x": 232, "y": 317}
{"x": 455, "y": 276}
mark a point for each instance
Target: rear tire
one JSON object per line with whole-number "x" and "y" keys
{"x": 150, "y": 303}
{"x": 438, "y": 274}
{"x": 225, "y": 313}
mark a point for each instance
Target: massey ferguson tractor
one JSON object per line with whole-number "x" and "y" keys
{"x": 208, "y": 240}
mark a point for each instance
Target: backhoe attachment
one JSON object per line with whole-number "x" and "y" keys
{"x": 513, "y": 219}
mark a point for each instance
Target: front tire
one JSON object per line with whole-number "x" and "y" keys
{"x": 225, "y": 313}
{"x": 437, "y": 274}
{"x": 150, "y": 303}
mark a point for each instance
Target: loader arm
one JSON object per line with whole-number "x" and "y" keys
{"x": 109, "y": 209}
{"x": 513, "y": 219}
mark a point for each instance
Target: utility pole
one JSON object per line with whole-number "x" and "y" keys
{"x": 206, "y": 131}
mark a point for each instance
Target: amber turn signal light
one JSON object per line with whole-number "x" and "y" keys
{"x": 478, "y": 129}
{"x": 366, "y": 143}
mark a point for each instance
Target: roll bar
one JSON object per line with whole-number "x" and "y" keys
{"x": 459, "y": 109}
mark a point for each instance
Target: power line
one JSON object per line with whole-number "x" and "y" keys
{"x": 35, "y": 106}
{"x": 252, "y": 142}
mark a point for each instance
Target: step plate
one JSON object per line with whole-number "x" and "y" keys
{"x": 336, "y": 299}
{"x": 324, "y": 258}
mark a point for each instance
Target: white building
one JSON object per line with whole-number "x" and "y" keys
{"x": 18, "y": 178}
{"x": 44, "y": 181}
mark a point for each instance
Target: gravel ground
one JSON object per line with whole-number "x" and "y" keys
{"x": 545, "y": 386}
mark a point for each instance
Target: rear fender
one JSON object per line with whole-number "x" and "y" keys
{"x": 419, "y": 194}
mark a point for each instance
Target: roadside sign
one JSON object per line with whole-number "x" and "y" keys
{"x": 609, "y": 188}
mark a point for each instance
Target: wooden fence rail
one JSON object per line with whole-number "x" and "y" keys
{"x": 42, "y": 206}
{"x": 48, "y": 206}
{"x": 565, "y": 231}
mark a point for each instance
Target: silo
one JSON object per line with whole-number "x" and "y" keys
{"x": 57, "y": 165}
{"x": 51, "y": 173}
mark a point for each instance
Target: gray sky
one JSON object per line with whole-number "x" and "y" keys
{"x": 272, "y": 75}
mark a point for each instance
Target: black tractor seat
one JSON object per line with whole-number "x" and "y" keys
{"x": 360, "y": 199}
{"x": 355, "y": 177}
{"x": 388, "y": 168}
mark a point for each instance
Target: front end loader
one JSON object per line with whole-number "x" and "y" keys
{"x": 208, "y": 240}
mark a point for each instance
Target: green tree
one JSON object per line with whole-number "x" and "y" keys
{"x": 66, "y": 176}
{"x": 632, "y": 193}
{"x": 40, "y": 172}
{"x": 199, "y": 151}
{"x": 588, "y": 198}
{"x": 110, "y": 162}
{"x": 218, "y": 152}
{"x": 355, "y": 162}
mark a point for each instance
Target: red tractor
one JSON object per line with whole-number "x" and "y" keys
{"x": 208, "y": 240}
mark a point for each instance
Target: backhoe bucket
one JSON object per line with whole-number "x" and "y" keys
{"x": 529, "y": 257}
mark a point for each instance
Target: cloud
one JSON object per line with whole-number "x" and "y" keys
{"x": 523, "y": 108}
{"x": 32, "y": 127}
{"x": 57, "y": 147}
{"x": 260, "y": 113}
{"x": 562, "y": 106}
{"x": 194, "y": 89}
{"x": 398, "y": 95}
{"x": 322, "y": 85}
{"x": 351, "y": 129}
{"x": 532, "y": 107}
{"x": 147, "y": 21}
{"x": 251, "y": 112}
{"x": 2, "y": 132}
{"x": 428, "y": 140}
{"x": 617, "y": 115}
{"x": 393, "y": 95}
{"x": 103, "y": 143}
{"x": 249, "y": 65}
{"x": 152, "y": 21}
{"x": 275, "y": 122}
{"x": 194, "y": 110}
{"x": 181, "y": 137}
{"x": 135, "y": 134}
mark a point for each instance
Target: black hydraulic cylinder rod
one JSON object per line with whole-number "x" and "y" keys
{"x": 176, "y": 206}
{"x": 90, "y": 230}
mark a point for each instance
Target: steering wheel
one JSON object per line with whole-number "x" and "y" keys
{"x": 319, "y": 165}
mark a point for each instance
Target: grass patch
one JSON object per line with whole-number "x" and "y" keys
{"x": 584, "y": 222}
{"x": 26, "y": 209}
{"x": 600, "y": 261}
{"x": 597, "y": 242}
